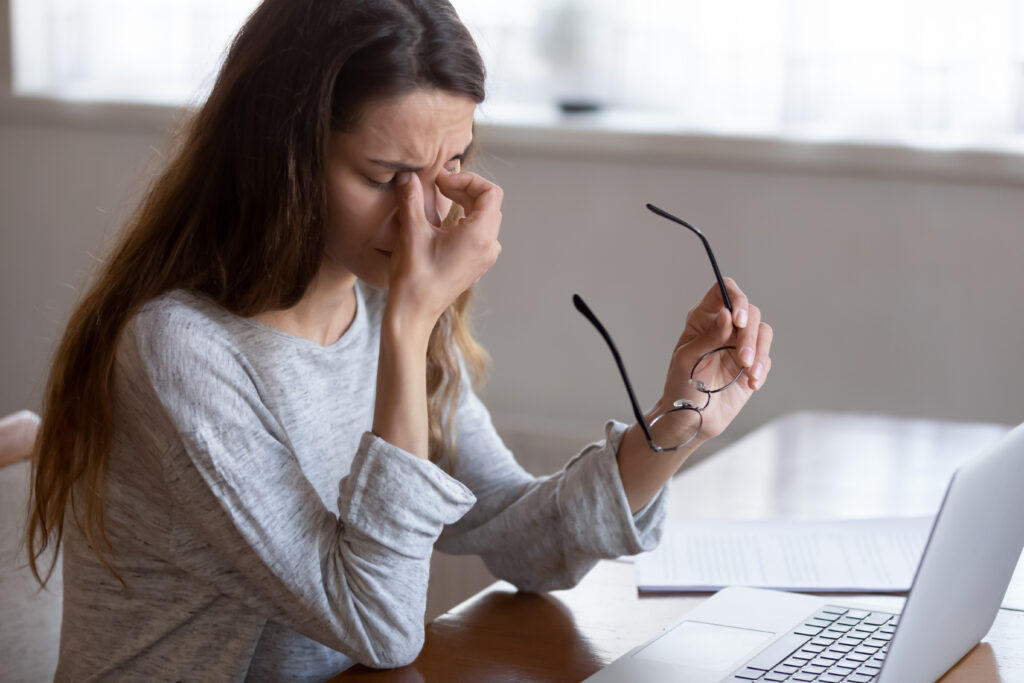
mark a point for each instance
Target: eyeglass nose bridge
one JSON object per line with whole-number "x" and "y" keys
{"x": 687, "y": 404}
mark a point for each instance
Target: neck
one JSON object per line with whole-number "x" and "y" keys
{"x": 325, "y": 311}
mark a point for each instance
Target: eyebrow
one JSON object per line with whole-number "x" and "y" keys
{"x": 401, "y": 167}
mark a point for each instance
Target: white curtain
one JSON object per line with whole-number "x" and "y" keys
{"x": 944, "y": 71}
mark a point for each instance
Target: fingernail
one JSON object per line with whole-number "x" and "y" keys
{"x": 741, "y": 317}
{"x": 403, "y": 178}
{"x": 747, "y": 355}
{"x": 756, "y": 372}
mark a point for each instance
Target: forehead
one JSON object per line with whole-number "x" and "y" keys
{"x": 415, "y": 127}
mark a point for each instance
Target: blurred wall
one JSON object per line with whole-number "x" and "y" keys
{"x": 893, "y": 294}
{"x": 888, "y": 292}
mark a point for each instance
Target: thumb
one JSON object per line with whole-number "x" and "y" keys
{"x": 410, "y": 207}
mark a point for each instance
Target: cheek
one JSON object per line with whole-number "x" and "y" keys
{"x": 356, "y": 213}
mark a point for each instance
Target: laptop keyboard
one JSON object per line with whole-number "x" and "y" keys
{"x": 834, "y": 645}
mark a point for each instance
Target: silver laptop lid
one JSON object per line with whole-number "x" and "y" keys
{"x": 966, "y": 567}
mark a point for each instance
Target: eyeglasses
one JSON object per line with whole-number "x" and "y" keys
{"x": 700, "y": 374}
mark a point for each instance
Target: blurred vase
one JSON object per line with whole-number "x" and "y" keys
{"x": 576, "y": 42}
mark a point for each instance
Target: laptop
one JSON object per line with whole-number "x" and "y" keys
{"x": 748, "y": 634}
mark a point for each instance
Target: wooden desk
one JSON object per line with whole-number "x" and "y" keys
{"x": 802, "y": 466}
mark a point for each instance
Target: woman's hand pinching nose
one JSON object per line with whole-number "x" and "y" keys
{"x": 431, "y": 267}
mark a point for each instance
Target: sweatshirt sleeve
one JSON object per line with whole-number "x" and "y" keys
{"x": 249, "y": 522}
{"x": 544, "y": 533}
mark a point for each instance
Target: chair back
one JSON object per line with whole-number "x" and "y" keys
{"x": 30, "y": 625}
{"x": 17, "y": 436}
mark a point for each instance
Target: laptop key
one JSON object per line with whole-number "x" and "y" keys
{"x": 808, "y": 631}
{"x": 877, "y": 618}
{"x": 748, "y": 675}
{"x": 775, "y": 677}
{"x": 781, "y": 649}
{"x": 832, "y": 609}
{"x": 804, "y": 676}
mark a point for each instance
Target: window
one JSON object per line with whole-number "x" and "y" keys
{"x": 946, "y": 71}
{"x": 154, "y": 51}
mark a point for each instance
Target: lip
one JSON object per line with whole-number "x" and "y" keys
{"x": 386, "y": 253}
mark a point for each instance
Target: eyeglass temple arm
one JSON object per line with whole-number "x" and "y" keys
{"x": 582, "y": 307}
{"x": 707, "y": 247}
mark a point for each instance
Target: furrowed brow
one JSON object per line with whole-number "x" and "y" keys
{"x": 402, "y": 167}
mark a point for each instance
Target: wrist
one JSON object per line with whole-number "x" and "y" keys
{"x": 405, "y": 330}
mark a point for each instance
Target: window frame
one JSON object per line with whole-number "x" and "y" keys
{"x": 6, "y": 58}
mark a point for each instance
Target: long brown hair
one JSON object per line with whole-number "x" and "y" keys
{"x": 238, "y": 215}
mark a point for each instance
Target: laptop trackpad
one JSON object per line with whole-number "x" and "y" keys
{"x": 705, "y": 646}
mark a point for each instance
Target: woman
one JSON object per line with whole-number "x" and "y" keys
{"x": 260, "y": 419}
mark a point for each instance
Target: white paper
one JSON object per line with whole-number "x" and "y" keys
{"x": 859, "y": 555}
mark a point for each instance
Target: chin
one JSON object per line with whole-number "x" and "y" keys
{"x": 375, "y": 278}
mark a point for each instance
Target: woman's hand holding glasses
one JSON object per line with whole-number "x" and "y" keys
{"x": 721, "y": 358}
{"x": 724, "y": 343}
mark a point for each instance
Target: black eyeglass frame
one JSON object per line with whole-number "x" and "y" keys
{"x": 707, "y": 247}
{"x": 681, "y": 404}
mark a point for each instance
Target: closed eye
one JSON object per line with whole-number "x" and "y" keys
{"x": 389, "y": 184}
{"x": 383, "y": 186}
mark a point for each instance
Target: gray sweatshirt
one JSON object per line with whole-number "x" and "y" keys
{"x": 264, "y": 533}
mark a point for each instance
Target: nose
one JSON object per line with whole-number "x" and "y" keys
{"x": 432, "y": 203}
